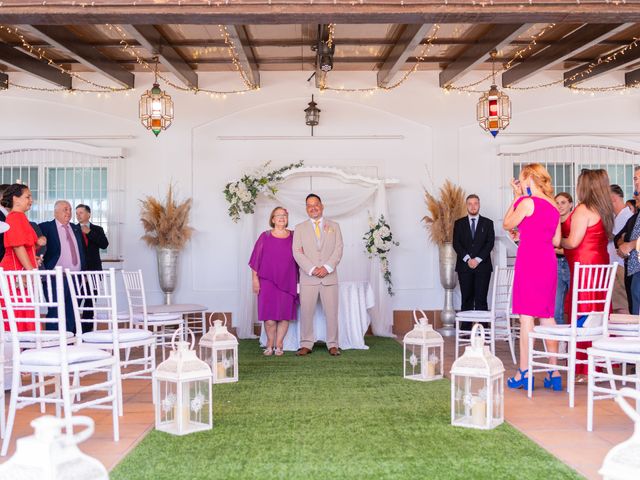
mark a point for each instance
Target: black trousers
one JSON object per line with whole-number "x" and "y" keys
{"x": 474, "y": 287}
{"x": 69, "y": 315}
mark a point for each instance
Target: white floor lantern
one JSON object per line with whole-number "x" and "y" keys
{"x": 50, "y": 454}
{"x": 623, "y": 461}
{"x": 183, "y": 388}
{"x": 423, "y": 351}
{"x": 477, "y": 386}
{"x": 219, "y": 348}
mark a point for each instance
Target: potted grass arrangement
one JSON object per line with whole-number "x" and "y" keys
{"x": 443, "y": 212}
{"x": 167, "y": 230}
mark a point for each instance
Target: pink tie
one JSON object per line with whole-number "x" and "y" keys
{"x": 72, "y": 247}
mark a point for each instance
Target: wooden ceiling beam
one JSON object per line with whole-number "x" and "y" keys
{"x": 408, "y": 39}
{"x": 65, "y": 40}
{"x": 4, "y": 81}
{"x": 38, "y": 68}
{"x": 585, "y": 72}
{"x": 632, "y": 78}
{"x": 579, "y": 40}
{"x": 248, "y": 14}
{"x": 245, "y": 55}
{"x": 497, "y": 37}
{"x": 152, "y": 40}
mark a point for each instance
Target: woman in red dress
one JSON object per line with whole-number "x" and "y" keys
{"x": 19, "y": 241}
{"x": 586, "y": 233}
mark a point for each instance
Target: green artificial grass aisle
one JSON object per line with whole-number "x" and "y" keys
{"x": 348, "y": 417}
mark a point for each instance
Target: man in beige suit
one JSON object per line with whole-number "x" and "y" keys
{"x": 317, "y": 248}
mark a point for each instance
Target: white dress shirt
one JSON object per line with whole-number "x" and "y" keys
{"x": 618, "y": 224}
{"x": 477, "y": 217}
{"x": 318, "y": 240}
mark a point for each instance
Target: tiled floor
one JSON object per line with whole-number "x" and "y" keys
{"x": 546, "y": 419}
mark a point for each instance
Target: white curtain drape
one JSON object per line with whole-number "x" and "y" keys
{"x": 348, "y": 203}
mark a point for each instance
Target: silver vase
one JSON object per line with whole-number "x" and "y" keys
{"x": 449, "y": 280}
{"x": 167, "y": 271}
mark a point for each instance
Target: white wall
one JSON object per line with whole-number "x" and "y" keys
{"x": 440, "y": 140}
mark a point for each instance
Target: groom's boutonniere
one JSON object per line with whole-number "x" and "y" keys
{"x": 328, "y": 229}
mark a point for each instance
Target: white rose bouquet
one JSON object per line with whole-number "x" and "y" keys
{"x": 378, "y": 242}
{"x": 242, "y": 194}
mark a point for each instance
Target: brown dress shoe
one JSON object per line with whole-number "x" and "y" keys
{"x": 303, "y": 351}
{"x": 334, "y": 351}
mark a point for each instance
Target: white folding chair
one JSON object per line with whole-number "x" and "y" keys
{"x": 32, "y": 291}
{"x": 161, "y": 324}
{"x": 592, "y": 287}
{"x": 95, "y": 293}
{"x": 498, "y": 318}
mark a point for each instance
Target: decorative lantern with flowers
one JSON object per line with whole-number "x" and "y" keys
{"x": 219, "y": 348}
{"x": 423, "y": 351}
{"x": 477, "y": 386}
{"x": 182, "y": 385}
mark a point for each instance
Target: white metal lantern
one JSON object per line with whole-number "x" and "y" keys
{"x": 219, "y": 348}
{"x": 182, "y": 385}
{"x": 477, "y": 386}
{"x": 423, "y": 351}
{"x": 623, "y": 462}
{"x": 49, "y": 454}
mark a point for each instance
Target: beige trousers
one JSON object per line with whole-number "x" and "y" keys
{"x": 308, "y": 301}
{"x": 619, "y": 302}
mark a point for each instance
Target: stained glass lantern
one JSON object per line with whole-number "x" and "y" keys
{"x": 182, "y": 385}
{"x": 219, "y": 348}
{"x": 494, "y": 111}
{"x": 623, "y": 462}
{"x": 156, "y": 108}
{"x": 423, "y": 351}
{"x": 53, "y": 455}
{"x": 477, "y": 386}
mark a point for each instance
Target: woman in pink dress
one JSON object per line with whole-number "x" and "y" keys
{"x": 275, "y": 279}
{"x": 535, "y": 214}
{"x": 586, "y": 233}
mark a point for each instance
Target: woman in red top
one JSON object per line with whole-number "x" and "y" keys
{"x": 19, "y": 241}
{"x": 586, "y": 235}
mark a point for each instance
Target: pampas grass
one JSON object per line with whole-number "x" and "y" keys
{"x": 166, "y": 224}
{"x": 444, "y": 212}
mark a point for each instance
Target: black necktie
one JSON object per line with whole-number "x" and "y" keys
{"x": 473, "y": 228}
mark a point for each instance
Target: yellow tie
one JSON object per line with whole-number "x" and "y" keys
{"x": 317, "y": 228}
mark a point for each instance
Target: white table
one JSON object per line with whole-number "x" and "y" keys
{"x": 353, "y": 319}
{"x": 182, "y": 309}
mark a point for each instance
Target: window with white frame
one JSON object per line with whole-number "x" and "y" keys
{"x": 76, "y": 177}
{"x": 564, "y": 164}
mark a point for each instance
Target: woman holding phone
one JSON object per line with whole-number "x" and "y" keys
{"x": 535, "y": 214}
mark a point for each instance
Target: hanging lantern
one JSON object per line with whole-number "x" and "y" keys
{"x": 182, "y": 385}
{"x": 423, "y": 351}
{"x": 312, "y": 114}
{"x": 156, "y": 108}
{"x": 494, "y": 107}
{"x": 477, "y": 386}
{"x": 49, "y": 454}
{"x": 622, "y": 463}
{"x": 219, "y": 348}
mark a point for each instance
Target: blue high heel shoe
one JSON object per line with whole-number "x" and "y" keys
{"x": 554, "y": 383}
{"x": 523, "y": 382}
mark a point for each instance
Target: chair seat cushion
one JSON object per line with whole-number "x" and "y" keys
{"x": 618, "y": 344}
{"x": 51, "y": 356}
{"x": 477, "y": 315}
{"x": 565, "y": 330}
{"x": 122, "y": 316}
{"x": 44, "y": 336}
{"x": 624, "y": 327}
{"x": 124, "y": 335}
{"x": 158, "y": 317}
{"x": 621, "y": 318}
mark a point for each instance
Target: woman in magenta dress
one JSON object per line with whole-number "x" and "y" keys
{"x": 275, "y": 279}
{"x": 586, "y": 233}
{"x": 535, "y": 278}
{"x": 19, "y": 242}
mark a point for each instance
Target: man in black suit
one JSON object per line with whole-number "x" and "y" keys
{"x": 93, "y": 237}
{"x": 473, "y": 238}
{"x": 3, "y": 217}
{"x": 64, "y": 249}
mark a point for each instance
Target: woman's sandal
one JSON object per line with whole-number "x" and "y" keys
{"x": 279, "y": 352}
{"x": 522, "y": 383}
{"x": 268, "y": 352}
{"x": 553, "y": 382}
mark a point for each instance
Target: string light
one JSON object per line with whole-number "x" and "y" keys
{"x": 86, "y": 5}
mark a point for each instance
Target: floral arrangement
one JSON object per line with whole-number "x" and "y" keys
{"x": 242, "y": 194}
{"x": 166, "y": 224}
{"x": 444, "y": 212}
{"x": 377, "y": 242}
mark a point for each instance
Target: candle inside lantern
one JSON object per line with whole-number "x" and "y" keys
{"x": 478, "y": 411}
{"x": 431, "y": 369}
{"x": 222, "y": 372}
